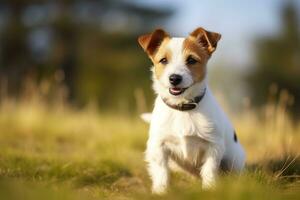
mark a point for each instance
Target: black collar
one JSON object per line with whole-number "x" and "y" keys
{"x": 190, "y": 105}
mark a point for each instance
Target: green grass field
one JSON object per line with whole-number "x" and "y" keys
{"x": 61, "y": 153}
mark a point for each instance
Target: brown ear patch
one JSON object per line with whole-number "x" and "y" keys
{"x": 207, "y": 39}
{"x": 150, "y": 42}
{"x": 192, "y": 48}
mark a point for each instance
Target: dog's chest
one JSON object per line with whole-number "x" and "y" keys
{"x": 185, "y": 135}
{"x": 187, "y": 149}
{"x": 181, "y": 124}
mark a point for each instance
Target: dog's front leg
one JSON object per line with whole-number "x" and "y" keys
{"x": 157, "y": 166}
{"x": 210, "y": 168}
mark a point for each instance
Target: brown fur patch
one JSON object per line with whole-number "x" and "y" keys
{"x": 151, "y": 42}
{"x": 207, "y": 39}
{"x": 192, "y": 48}
{"x": 162, "y": 52}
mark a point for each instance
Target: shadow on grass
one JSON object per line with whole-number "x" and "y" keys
{"x": 286, "y": 168}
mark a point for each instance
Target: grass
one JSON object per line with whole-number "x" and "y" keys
{"x": 56, "y": 152}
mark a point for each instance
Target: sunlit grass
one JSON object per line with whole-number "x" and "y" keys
{"x": 58, "y": 152}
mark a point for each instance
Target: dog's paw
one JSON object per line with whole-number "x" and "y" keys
{"x": 208, "y": 185}
{"x": 159, "y": 190}
{"x": 146, "y": 117}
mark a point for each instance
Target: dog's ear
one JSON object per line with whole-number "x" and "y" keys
{"x": 206, "y": 38}
{"x": 150, "y": 42}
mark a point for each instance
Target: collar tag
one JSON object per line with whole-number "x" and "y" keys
{"x": 188, "y": 106}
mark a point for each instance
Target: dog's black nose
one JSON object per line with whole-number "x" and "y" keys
{"x": 175, "y": 79}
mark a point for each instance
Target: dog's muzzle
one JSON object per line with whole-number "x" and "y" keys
{"x": 190, "y": 105}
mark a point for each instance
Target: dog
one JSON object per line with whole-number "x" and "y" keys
{"x": 187, "y": 126}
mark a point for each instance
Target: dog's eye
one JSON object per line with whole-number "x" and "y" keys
{"x": 190, "y": 60}
{"x": 163, "y": 61}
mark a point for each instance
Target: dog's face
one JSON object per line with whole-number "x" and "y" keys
{"x": 179, "y": 63}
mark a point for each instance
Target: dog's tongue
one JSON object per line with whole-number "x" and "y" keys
{"x": 175, "y": 90}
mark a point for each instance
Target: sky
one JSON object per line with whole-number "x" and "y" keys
{"x": 239, "y": 22}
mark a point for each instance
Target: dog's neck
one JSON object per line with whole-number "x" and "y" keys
{"x": 186, "y": 105}
{"x": 195, "y": 94}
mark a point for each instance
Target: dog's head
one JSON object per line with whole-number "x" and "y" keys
{"x": 179, "y": 69}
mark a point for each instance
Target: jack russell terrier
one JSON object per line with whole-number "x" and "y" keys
{"x": 187, "y": 126}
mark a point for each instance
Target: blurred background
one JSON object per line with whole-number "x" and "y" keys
{"x": 73, "y": 81}
{"x": 86, "y": 52}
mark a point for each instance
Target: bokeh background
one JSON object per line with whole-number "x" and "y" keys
{"x": 73, "y": 81}
{"x": 90, "y": 48}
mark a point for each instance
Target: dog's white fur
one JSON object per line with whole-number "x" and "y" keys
{"x": 199, "y": 140}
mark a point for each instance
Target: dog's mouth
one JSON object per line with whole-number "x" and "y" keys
{"x": 177, "y": 91}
